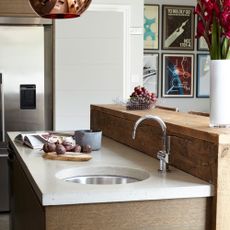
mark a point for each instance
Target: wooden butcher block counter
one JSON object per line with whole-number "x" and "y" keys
{"x": 196, "y": 148}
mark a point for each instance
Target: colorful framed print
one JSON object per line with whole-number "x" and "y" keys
{"x": 151, "y": 27}
{"x": 177, "y": 75}
{"x": 178, "y": 27}
{"x": 203, "y": 76}
{"x": 202, "y": 44}
{"x": 150, "y": 72}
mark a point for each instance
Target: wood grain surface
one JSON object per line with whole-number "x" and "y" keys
{"x": 179, "y": 214}
{"x": 16, "y": 8}
{"x": 181, "y": 123}
{"x": 192, "y": 155}
{"x": 223, "y": 188}
{"x": 196, "y": 148}
{"x": 67, "y": 156}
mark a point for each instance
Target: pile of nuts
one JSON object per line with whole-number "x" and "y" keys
{"x": 65, "y": 146}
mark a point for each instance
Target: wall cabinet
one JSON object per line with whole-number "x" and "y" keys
{"x": 16, "y": 8}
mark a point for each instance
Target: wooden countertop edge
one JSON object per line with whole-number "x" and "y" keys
{"x": 178, "y": 123}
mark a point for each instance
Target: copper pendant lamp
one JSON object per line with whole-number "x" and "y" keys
{"x": 59, "y": 8}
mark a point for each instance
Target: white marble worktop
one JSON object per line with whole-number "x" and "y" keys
{"x": 53, "y": 191}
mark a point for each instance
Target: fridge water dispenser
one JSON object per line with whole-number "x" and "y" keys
{"x": 28, "y": 96}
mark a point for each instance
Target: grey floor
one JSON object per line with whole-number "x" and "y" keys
{"x": 4, "y": 222}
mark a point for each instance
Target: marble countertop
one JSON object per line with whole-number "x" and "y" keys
{"x": 54, "y": 191}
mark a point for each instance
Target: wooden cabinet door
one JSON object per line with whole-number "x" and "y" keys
{"x": 26, "y": 210}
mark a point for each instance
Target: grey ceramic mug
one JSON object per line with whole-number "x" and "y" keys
{"x": 88, "y": 137}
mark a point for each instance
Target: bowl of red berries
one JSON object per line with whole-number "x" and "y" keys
{"x": 141, "y": 99}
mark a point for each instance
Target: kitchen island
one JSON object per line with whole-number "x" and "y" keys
{"x": 41, "y": 200}
{"x": 196, "y": 148}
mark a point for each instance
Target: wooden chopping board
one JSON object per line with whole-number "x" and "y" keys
{"x": 68, "y": 156}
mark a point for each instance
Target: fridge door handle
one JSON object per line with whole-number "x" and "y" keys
{"x": 2, "y": 109}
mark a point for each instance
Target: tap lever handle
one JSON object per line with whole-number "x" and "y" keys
{"x": 161, "y": 155}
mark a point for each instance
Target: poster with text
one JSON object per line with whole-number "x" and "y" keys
{"x": 151, "y": 26}
{"x": 177, "y": 79}
{"x": 178, "y": 27}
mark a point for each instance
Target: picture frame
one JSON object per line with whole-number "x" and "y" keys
{"x": 177, "y": 75}
{"x": 151, "y": 26}
{"x": 178, "y": 27}
{"x": 151, "y": 72}
{"x": 202, "y": 44}
{"x": 203, "y": 76}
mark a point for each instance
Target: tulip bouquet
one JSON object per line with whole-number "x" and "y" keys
{"x": 214, "y": 25}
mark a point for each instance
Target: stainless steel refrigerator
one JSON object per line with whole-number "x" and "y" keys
{"x": 25, "y": 86}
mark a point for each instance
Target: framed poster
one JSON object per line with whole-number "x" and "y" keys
{"x": 177, "y": 75}
{"x": 150, "y": 72}
{"x": 203, "y": 75}
{"x": 151, "y": 26}
{"x": 202, "y": 44}
{"x": 178, "y": 27}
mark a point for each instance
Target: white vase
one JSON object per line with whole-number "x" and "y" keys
{"x": 220, "y": 93}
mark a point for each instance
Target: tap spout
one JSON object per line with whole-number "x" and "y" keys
{"x": 157, "y": 119}
{"x": 162, "y": 155}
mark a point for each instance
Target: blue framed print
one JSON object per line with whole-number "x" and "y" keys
{"x": 203, "y": 76}
{"x": 177, "y": 75}
{"x": 151, "y": 27}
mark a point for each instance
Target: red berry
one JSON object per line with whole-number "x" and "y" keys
{"x": 143, "y": 89}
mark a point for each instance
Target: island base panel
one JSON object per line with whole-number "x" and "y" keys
{"x": 183, "y": 214}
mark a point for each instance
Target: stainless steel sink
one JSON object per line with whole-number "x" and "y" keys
{"x": 102, "y": 175}
{"x": 102, "y": 179}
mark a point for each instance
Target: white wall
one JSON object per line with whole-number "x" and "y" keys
{"x": 184, "y": 104}
{"x": 98, "y": 57}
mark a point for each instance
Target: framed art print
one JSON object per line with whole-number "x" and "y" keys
{"x": 151, "y": 26}
{"x": 202, "y": 44}
{"x": 150, "y": 72}
{"x": 203, "y": 75}
{"x": 178, "y": 27}
{"x": 177, "y": 75}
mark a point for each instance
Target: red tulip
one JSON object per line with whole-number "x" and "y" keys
{"x": 210, "y": 12}
{"x": 226, "y": 3}
{"x": 200, "y": 29}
